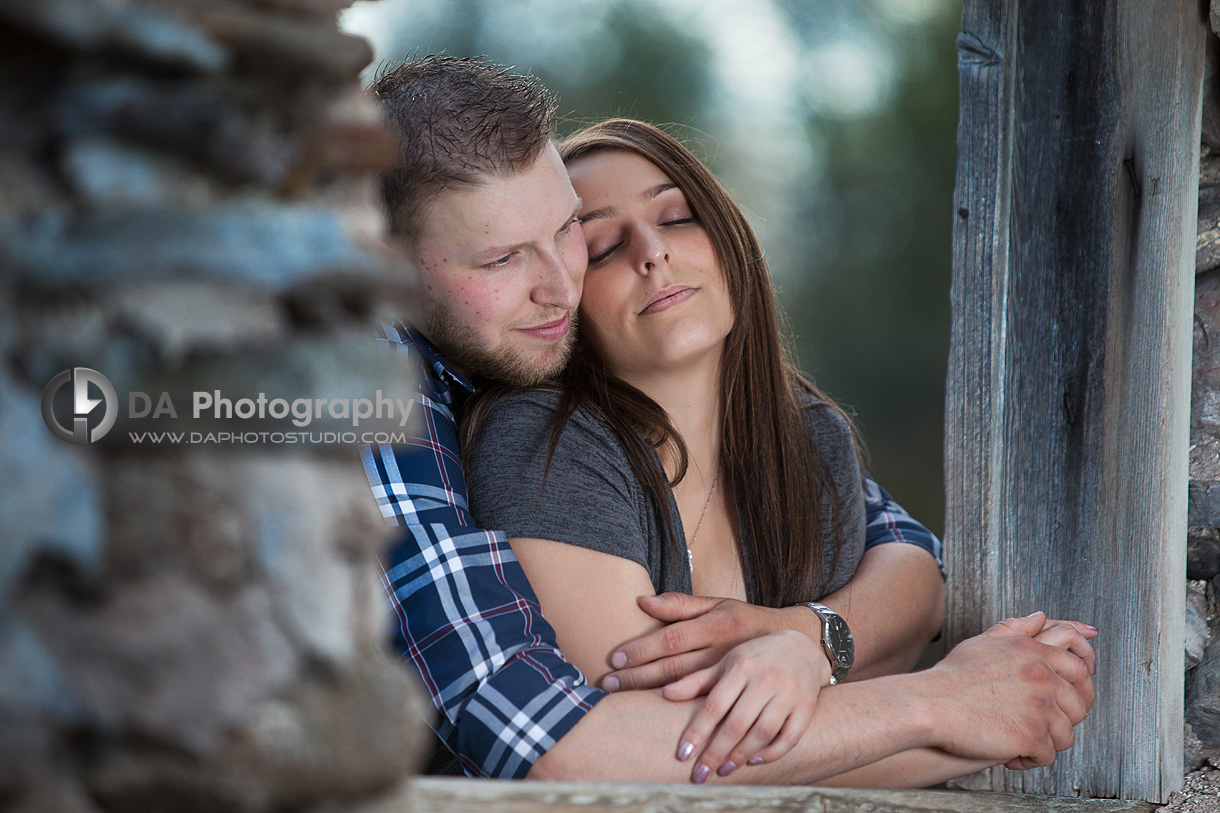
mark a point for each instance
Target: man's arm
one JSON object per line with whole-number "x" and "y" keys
{"x": 467, "y": 619}
{"x": 996, "y": 698}
{"x": 894, "y": 605}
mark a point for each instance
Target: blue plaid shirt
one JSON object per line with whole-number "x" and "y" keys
{"x": 468, "y": 620}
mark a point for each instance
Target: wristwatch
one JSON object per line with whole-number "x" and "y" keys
{"x": 836, "y": 640}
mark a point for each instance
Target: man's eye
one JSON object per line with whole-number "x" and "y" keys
{"x": 567, "y": 227}
{"x": 500, "y": 263}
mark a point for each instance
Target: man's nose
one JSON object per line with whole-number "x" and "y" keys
{"x": 558, "y": 285}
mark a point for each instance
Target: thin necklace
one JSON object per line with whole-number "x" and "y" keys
{"x": 690, "y": 554}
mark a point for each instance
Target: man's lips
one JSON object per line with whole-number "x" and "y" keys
{"x": 666, "y": 298}
{"x": 551, "y": 331}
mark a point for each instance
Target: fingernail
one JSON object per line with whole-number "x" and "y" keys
{"x": 1093, "y": 671}
{"x": 1090, "y": 626}
{"x": 610, "y": 683}
{"x": 618, "y": 660}
{"x": 652, "y": 598}
{"x": 685, "y": 751}
{"x": 701, "y": 774}
{"x": 755, "y": 761}
{"x": 1035, "y": 612}
{"x": 727, "y": 768}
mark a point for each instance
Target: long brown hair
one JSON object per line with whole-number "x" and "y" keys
{"x": 775, "y": 472}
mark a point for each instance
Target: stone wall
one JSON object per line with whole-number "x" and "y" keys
{"x": 1203, "y": 540}
{"x": 187, "y": 202}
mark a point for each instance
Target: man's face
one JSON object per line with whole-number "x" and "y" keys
{"x": 502, "y": 264}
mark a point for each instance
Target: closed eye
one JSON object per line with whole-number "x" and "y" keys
{"x": 603, "y": 255}
{"x": 503, "y": 261}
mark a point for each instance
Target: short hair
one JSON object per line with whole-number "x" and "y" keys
{"x": 458, "y": 120}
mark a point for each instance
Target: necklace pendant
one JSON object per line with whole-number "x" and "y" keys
{"x": 690, "y": 551}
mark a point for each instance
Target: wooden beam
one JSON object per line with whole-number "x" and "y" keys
{"x": 445, "y": 795}
{"x": 1067, "y": 406}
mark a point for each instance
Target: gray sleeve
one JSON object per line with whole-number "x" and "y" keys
{"x": 833, "y": 437}
{"x": 590, "y": 497}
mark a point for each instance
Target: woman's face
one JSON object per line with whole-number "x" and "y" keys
{"x": 655, "y": 297}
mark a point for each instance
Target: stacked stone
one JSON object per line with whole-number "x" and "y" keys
{"x": 1203, "y": 537}
{"x": 187, "y": 202}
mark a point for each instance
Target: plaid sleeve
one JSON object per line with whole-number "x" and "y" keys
{"x": 886, "y": 521}
{"x": 467, "y": 619}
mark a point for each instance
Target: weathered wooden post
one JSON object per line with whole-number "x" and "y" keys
{"x": 1069, "y": 376}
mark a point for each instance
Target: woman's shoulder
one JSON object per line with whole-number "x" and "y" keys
{"x": 827, "y": 425}
{"x": 535, "y": 402}
{"x": 530, "y": 409}
{"x": 525, "y": 481}
{"x": 518, "y": 429}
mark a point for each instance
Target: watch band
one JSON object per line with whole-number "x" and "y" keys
{"x": 837, "y": 641}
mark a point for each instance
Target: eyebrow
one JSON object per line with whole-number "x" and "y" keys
{"x": 649, "y": 194}
{"x": 495, "y": 252}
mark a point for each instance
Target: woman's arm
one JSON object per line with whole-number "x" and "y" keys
{"x": 760, "y": 698}
{"x": 1000, "y": 696}
{"x": 589, "y": 597}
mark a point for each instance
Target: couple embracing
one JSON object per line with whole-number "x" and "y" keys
{"x": 637, "y": 544}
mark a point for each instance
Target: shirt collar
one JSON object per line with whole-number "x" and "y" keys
{"x": 451, "y": 383}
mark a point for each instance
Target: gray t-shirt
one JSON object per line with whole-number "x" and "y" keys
{"x": 592, "y": 499}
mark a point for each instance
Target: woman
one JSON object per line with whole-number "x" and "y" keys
{"x": 684, "y": 453}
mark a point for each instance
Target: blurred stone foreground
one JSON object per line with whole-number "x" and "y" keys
{"x": 187, "y": 202}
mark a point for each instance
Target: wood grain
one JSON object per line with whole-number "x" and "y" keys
{"x": 438, "y": 795}
{"x": 1067, "y": 404}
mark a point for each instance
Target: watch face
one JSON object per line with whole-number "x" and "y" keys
{"x": 841, "y": 641}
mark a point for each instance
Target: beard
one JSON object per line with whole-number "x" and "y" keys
{"x": 507, "y": 364}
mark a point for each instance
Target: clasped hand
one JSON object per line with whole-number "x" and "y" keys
{"x": 761, "y": 679}
{"x": 760, "y": 700}
{"x": 762, "y": 682}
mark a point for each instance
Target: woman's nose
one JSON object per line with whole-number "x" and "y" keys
{"x": 653, "y": 249}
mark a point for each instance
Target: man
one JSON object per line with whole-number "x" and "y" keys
{"x": 482, "y": 202}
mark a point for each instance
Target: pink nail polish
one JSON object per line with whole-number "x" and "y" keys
{"x": 685, "y": 751}
{"x": 701, "y": 774}
{"x": 1090, "y": 626}
{"x": 755, "y": 761}
{"x": 727, "y": 768}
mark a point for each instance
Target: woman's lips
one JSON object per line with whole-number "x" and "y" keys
{"x": 551, "y": 331}
{"x": 667, "y": 298}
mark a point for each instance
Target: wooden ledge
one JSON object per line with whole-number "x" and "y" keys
{"x": 446, "y": 795}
